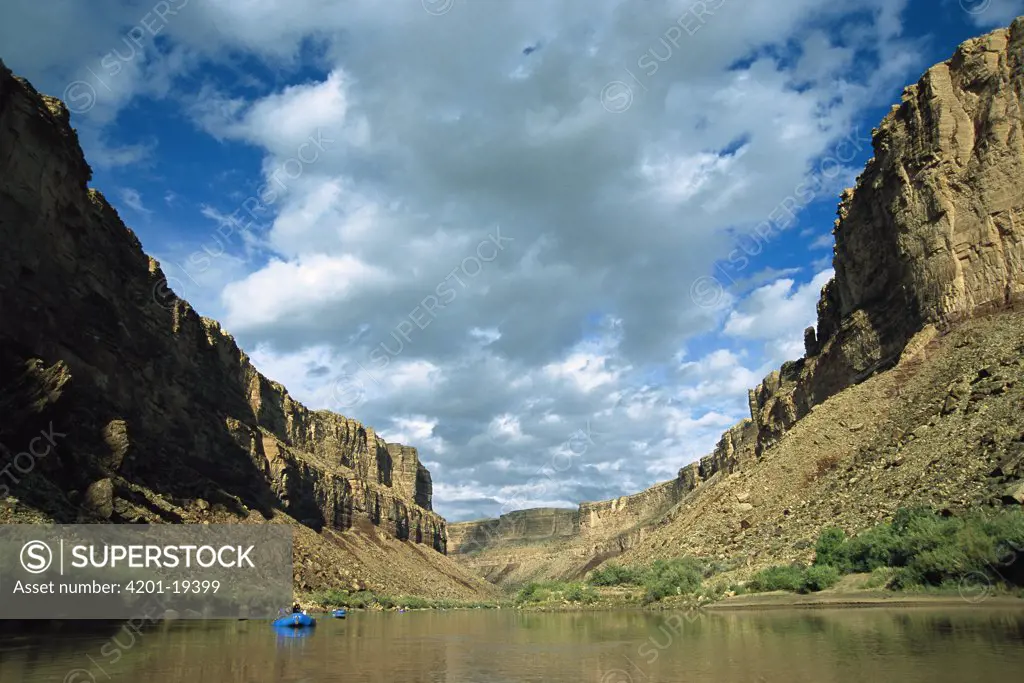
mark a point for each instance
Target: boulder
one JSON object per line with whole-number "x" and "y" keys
{"x": 98, "y": 499}
{"x": 1014, "y": 493}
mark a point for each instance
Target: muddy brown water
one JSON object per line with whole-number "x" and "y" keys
{"x": 505, "y": 646}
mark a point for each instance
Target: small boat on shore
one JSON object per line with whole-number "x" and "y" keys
{"x": 297, "y": 620}
{"x": 339, "y": 613}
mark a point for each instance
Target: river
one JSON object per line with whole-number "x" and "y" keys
{"x": 502, "y": 646}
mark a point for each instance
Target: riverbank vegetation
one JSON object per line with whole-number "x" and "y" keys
{"x": 556, "y": 591}
{"x": 661, "y": 579}
{"x": 919, "y": 550}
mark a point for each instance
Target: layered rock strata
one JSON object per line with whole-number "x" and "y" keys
{"x": 411, "y": 477}
{"x": 522, "y": 526}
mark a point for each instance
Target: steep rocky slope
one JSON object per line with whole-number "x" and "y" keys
{"x": 910, "y": 388}
{"x": 151, "y": 413}
{"x": 943, "y": 428}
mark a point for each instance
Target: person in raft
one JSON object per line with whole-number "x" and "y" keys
{"x": 296, "y": 609}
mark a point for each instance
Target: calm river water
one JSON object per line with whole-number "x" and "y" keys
{"x": 483, "y": 646}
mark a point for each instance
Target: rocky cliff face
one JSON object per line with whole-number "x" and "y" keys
{"x": 160, "y": 416}
{"x": 590, "y": 522}
{"x": 611, "y": 517}
{"x": 411, "y": 478}
{"x": 932, "y": 233}
{"x": 733, "y": 450}
{"x": 522, "y": 526}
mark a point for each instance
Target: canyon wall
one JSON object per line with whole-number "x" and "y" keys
{"x": 411, "y": 478}
{"x": 733, "y": 450}
{"x": 159, "y": 411}
{"x": 933, "y": 232}
{"x": 590, "y": 522}
{"x": 522, "y": 526}
{"x": 597, "y": 529}
{"x": 612, "y": 517}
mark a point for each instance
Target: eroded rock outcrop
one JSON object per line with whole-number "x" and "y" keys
{"x": 611, "y": 517}
{"x": 735, "y": 448}
{"x": 933, "y": 232}
{"x": 594, "y": 524}
{"x": 410, "y": 476}
{"x": 158, "y": 409}
{"x": 534, "y": 525}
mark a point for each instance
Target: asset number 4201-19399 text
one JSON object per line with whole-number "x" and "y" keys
{"x": 193, "y": 586}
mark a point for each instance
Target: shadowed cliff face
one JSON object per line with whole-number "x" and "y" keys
{"x": 411, "y": 478}
{"x": 932, "y": 233}
{"x": 156, "y": 413}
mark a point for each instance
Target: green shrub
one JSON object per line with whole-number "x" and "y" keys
{"x": 364, "y": 599}
{"x": 712, "y": 593}
{"x": 332, "y": 596}
{"x": 342, "y": 598}
{"x": 819, "y": 577}
{"x": 615, "y": 575}
{"x": 556, "y": 590}
{"x": 578, "y": 592}
{"x": 657, "y": 589}
{"x": 532, "y": 592}
{"x": 880, "y": 546}
{"x": 673, "y": 577}
{"x": 414, "y": 602}
{"x": 907, "y": 517}
{"x": 905, "y": 579}
{"x": 778, "y": 578}
{"x": 794, "y": 578}
{"x": 926, "y": 549}
{"x": 831, "y": 547}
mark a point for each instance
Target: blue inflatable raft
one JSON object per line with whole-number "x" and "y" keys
{"x": 295, "y": 621}
{"x": 339, "y": 614}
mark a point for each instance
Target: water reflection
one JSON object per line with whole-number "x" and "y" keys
{"x": 480, "y": 646}
{"x": 288, "y": 633}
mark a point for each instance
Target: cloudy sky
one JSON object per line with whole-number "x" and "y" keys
{"x": 549, "y": 243}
